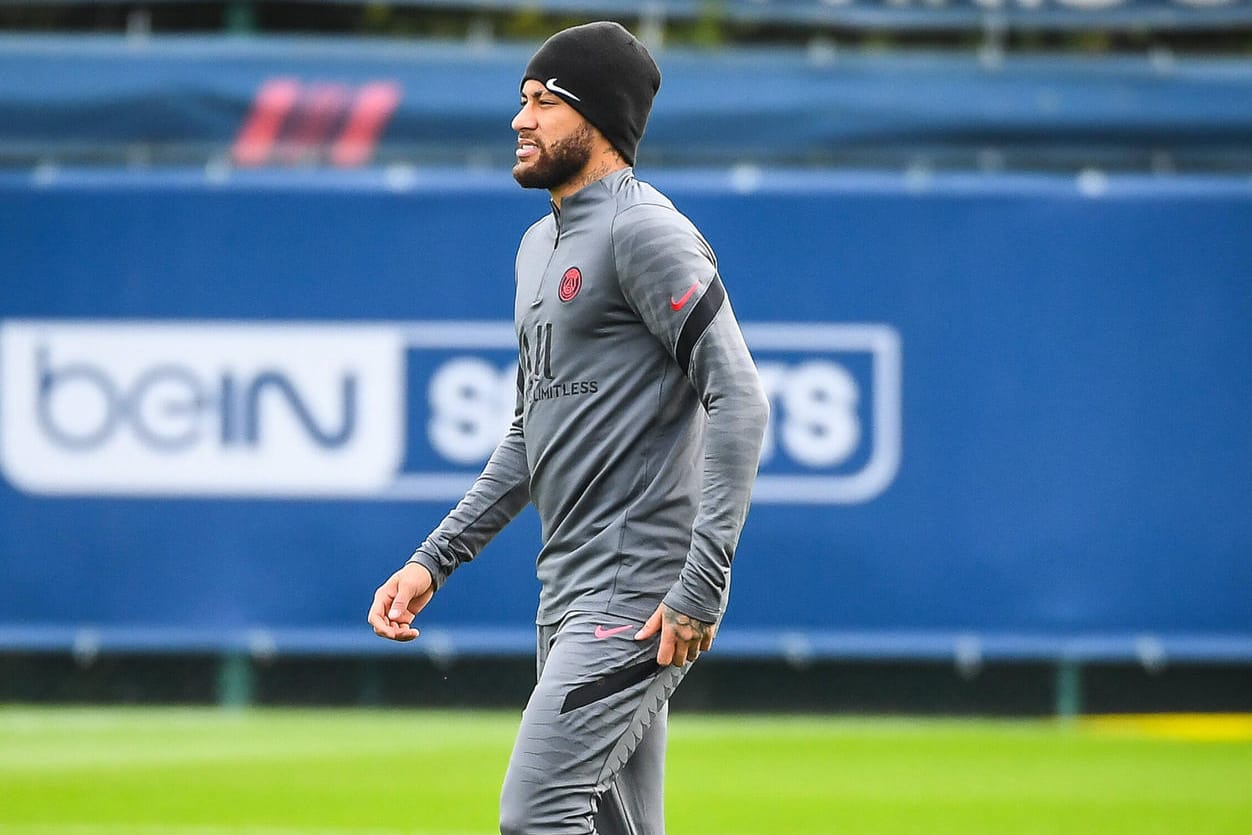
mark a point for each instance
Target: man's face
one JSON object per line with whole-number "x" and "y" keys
{"x": 554, "y": 141}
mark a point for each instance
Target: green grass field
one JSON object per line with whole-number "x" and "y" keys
{"x": 287, "y": 772}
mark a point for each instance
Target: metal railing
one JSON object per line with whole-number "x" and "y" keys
{"x": 239, "y": 651}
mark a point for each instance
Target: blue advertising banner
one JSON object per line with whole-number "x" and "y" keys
{"x": 1001, "y": 405}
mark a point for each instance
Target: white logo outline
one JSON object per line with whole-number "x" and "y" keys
{"x": 217, "y": 370}
{"x": 881, "y": 341}
{"x": 552, "y": 85}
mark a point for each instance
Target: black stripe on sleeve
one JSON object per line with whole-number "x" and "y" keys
{"x": 519, "y": 404}
{"x": 698, "y": 322}
{"x": 594, "y": 691}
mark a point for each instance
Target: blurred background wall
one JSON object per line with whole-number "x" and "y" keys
{"x": 994, "y": 260}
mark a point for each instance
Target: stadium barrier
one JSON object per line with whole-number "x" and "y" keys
{"x": 239, "y": 652}
{"x": 904, "y": 15}
{"x": 345, "y": 103}
{"x": 895, "y": 15}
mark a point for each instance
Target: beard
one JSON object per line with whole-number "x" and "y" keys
{"x": 558, "y": 163}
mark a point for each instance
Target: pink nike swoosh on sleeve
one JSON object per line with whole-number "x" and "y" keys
{"x": 681, "y": 303}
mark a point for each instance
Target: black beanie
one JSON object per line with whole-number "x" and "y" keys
{"x": 604, "y": 73}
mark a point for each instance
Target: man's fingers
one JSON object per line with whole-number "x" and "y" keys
{"x": 404, "y": 634}
{"x": 377, "y": 616}
{"x": 400, "y": 604}
{"x": 413, "y": 591}
{"x": 394, "y": 630}
{"x": 651, "y": 627}
{"x": 684, "y": 652}
{"x": 665, "y": 655}
{"x": 389, "y": 614}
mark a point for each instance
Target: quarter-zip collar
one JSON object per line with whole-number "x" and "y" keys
{"x": 583, "y": 202}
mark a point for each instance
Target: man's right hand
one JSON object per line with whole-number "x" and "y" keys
{"x": 398, "y": 601}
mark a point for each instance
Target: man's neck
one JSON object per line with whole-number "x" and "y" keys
{"x": 595, "y": 170}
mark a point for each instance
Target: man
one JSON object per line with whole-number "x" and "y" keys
{"x": 637, "y": 433}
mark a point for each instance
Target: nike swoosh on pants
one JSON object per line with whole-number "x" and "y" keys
{"x": 602, "y": 632}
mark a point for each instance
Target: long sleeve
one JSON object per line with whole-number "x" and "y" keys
{"x": 499, "y": 493}
{"x": 730, "y": 389}
{"x": 669, "y": 275}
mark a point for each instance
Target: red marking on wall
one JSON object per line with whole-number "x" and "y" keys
{"x": 375, "y": 102}
{"x": 260, "y": 130}
{"x": 293, "y": 123}
{"x": 321, "y": 107}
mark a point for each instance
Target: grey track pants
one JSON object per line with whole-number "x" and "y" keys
{"x": 590, "y": 752}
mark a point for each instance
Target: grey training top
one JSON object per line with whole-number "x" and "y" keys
{"x": 640, "y": 414}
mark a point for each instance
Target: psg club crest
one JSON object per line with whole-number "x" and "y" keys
{"x": 571, "y": 283}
